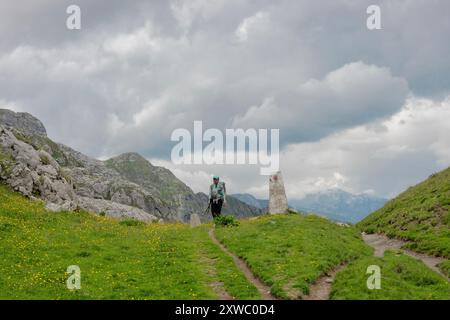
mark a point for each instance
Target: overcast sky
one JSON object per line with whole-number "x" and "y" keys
{"x": 365, "y": 111}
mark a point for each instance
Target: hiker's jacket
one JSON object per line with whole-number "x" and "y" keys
{"x": 217, "y": 191}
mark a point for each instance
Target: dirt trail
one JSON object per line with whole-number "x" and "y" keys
{"x": 321, "y": 288}
{"x": 242, "y": 265}
{"x": 217, "y": 286}
{"x": 382, "y": 243}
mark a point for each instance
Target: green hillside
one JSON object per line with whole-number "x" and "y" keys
{"x": 421, "y": 215}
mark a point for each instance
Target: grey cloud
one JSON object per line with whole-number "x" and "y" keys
{"x": 43, "y": 23}
{"x": 139, "y": 69}
{"x": 354, "y": 94}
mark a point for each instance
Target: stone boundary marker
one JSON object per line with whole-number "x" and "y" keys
{"x": 277, "y": 195}
{"x": 195, "y": 220}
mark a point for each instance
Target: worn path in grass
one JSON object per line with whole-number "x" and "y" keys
{"x": 382, "y": 243}
{"x": 217, "y": 286}
{"x": 321, "y": 288}
{"x": 263, "y": 289}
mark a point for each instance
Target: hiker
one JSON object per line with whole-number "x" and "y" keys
{"x": 217, "y": 196}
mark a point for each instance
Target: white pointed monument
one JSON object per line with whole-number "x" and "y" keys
{"x": 277, "y": 195}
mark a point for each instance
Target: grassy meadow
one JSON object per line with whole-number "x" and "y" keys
{"x": 132, "y": 260}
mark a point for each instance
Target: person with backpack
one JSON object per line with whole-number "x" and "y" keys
{"x": 217, "y": 196}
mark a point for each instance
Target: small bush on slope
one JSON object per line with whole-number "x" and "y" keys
{"x": 226, "y": 221}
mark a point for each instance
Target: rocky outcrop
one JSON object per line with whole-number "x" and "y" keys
{"x": 22, "y": 121}
{"x": 126, "y": 185}
{"x": 159, "y": 182}
{"x": 115, "y": 210}
{"x": 34, "y": 173}
{"x": 93, "y": 178}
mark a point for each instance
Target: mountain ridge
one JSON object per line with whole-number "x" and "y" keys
{"x": 335, "y": 204}
{"x": 114, "y": 186}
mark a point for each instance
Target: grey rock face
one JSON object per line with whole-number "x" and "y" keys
{"x": 94, "y": 179}
{"x": 22, "y": 121}
{"x": 115, "y": 210}
{"x": 195, "y": 220}
{"x": 277, "y": 195}
{"x": 33, "y": 173}
{"x": 157, "y": 182}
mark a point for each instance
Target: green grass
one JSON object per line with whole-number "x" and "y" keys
{"x": 235, "y": 283}
{"x": 402, "y": 277}
{"x": 118, "y": 260}
{"x": 445, "y": 267}
{"x": 128, "y": 259}
{"x": 288, "y": 252}
{"x": 420, "y": 215}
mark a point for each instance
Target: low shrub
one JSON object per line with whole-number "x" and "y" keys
{"x": 226, "y": 221}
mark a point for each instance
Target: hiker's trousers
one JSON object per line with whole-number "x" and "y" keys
{"x": 216, "y": 207}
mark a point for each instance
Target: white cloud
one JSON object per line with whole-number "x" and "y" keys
{"x": 258, "y": 22}
{"x": 143, "y": 41}
{"x": 186, "y": 11}
{"x": 414, "y": 143}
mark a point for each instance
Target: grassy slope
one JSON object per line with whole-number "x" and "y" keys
{"x": 402, "y": 277}
{"x": 122, "y": 260}
{"x": 117, "y": 261}
{"x": 421, "y": 214}
{"x": 289, "y": 252}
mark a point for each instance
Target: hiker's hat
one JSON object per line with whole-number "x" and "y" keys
{"x": 216, "y": 177}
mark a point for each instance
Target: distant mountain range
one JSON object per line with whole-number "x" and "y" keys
{"x": 335, "y": 204}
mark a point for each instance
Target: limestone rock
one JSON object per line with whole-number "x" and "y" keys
{"x": 115, "y": 210}
{"x": 195, "y": 220}
{"x": 22, "y": 121}
{"x": 65, "y": 206}
{"x": 277, "y": 195}
{"x": 33, "y": 173}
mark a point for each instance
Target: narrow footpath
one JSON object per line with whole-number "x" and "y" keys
{"x": 263, "y": 289}
{"x": 382, "y": 243}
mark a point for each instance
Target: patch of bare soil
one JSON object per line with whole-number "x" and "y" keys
{"x": 217, "y": 286}
{"x": 382, "y": 243}
{"x": 321, "y": 288}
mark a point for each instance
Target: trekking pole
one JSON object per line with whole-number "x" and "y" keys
{"x": 209, "y": 205}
